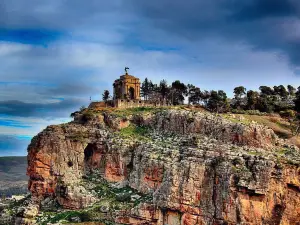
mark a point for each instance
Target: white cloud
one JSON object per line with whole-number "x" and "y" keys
{"x": 10, "y": 48}
{"x": 36, "y": 125}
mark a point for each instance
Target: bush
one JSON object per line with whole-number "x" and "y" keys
{"x": 88, "y": 115}
{"x": 248, "y": 112}
{"x": 287, "y": 114}
{"x": 134, "y": 131}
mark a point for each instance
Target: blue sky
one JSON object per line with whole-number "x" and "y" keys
{"x": 56, "y": 54}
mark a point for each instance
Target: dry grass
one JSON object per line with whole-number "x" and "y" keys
{"x": 280, "y": 126}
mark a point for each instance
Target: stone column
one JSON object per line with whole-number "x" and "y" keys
{"x": 135, "y": 90}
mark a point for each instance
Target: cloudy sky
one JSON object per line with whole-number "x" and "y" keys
{"x": 55, "y": 54}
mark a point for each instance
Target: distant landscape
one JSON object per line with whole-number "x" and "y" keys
{"x": 13, "y": 179}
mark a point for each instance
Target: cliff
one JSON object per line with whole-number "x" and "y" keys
{"x": 163, "y": 166}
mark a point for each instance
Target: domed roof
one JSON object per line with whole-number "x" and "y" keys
{"x": 127, "y": 76}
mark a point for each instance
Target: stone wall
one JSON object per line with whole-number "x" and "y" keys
{"x": 97, "y": 105}
{"x": 123, "y": 104}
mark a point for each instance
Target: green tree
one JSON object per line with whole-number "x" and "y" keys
{"x": 190, "y": 91}
{"x": 281, "y": 91}
{"x": 163, "y": 89}
{"x": 239, "y": 93}
{"x": 291, "y": 90}
{"x": 265, "y": 104}
{"x": 252, "y": 99}
{"x": 179, "y": 90}
{"x": 267, "y": 99}
{"x": 297, "y": 100}
{"x": 218, "y": 101}
{"x": 265, "y": 90}
{"x": 205, "y": 95}
{"x": 195, "y": 95}
{"x": 145, "y": 88}
{"x": 106, "y": 96}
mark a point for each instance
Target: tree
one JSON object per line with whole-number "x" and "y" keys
{"x": 291, "y": 90}
{"x": 265, "y": 104}
{"x": 281, "y": 91}
{"x": 252, "y": 99}
{"x": 265, "y": 90}
{"x": 179, "y": 90}
{"x": 145, "y": 89}
{"x": 163, "y": 89}
{"x": 239, "y": 92}
{"x": 218, "y": 101}
{"x": 205, "y": 95}
{"x": 190, "y": 91}
{"x": 153, "y": 88}
{"x": 268, "y": 99}
{"x": 195, "y": 95}
{"x": 297, "y": 100}
{"x": 106, "y": 96}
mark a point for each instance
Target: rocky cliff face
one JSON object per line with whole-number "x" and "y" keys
{"x": 165, "y": 166}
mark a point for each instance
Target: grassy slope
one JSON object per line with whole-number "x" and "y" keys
{"x": 279, "y": 125}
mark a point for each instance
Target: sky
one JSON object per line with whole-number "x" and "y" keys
{"x": 55, "y": 55}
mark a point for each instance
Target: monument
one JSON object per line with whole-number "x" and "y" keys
{"x": 126, "y": 94}
{"x": 127, "y": 87}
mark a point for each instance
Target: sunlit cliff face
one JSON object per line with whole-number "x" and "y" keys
{"x": 167, "y": 166}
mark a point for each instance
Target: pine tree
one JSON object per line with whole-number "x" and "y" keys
{"x": 106, "y": 96}
{"x": 145, "y": 89}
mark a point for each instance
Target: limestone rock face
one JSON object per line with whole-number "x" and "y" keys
{"x": 197, "y": 168}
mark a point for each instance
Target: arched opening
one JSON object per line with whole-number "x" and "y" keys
{"x": 131, "y": 93}
{"x": 94, "y": 157}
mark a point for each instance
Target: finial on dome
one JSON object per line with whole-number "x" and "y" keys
{"x": 126, "y": 68}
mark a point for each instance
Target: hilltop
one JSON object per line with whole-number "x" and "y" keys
{"x": 162, "y": 165}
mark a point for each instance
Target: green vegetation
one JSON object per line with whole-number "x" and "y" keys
{"x": 267, "y": 99}
{"x": 106, "y": 96}
{"x": 111, "y": 199}
{"x": 74, "y": 216}
{"x": 87, "y": 115}
{"x": 134, "y": 131}
{"x": 119, "y": 198}
{"x": 248, "y": 112}
{"x": 135, "y": 111}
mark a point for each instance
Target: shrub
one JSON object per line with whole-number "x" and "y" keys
{"x": 287, "y": 114}
{"x": 88, "y": 115}
{"x": 134, "y": 131}
{"x": 248, "y": 112}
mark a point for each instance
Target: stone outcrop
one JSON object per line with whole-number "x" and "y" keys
{"x": 179, "y": 167}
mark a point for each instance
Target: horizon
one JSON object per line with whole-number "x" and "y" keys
{"x": 56, "y": 55}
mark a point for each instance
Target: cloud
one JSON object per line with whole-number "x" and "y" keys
{"x": 12, "y": 145}
{"x": 56, "y": 109}
{"x": 255, "y": 23}
{"x": 56, "y": 54}
{"x": 17, "y": 131}
{"x": 27, "y": 126}
{"x": 260, "y": 9}
{"x": 29, "y": 36}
